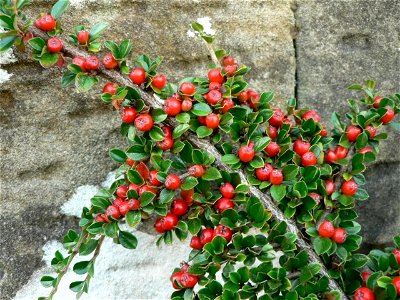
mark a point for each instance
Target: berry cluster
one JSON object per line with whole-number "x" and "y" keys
{"x": 328, "y": 230}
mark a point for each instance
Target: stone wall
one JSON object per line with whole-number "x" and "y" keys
{"x": 54, "y": 140}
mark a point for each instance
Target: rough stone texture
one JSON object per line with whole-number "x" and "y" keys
{"x": 344, "y": 42}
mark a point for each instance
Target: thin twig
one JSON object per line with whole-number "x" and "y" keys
{"x": 212, "y": 54}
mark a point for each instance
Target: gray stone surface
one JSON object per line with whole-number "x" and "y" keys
{"x": 344, "y": 42}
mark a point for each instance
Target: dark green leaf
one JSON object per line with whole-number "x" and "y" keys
{"x": 278, "y": 192}
{"x": 118, "y": 155}
{"x": 127, "y": 239}
{"x": 201, "y": 109}
{"x": 322, "y": 245}
{"x": 59, "y": 8}
{"x": 133, "y": 218}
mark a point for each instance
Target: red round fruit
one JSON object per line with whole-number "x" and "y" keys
{"x": 277, "y": 118}
{"x": 253, "y": 98}
{"x": 243, "y": 96}
{"x": 364, "y": 293}
{"x": 230, "y": 70}
{"x": 196, "y": 170}
{"x": 83, "y": 37}
{"x": 331, "y": 156}
{"x": 158, "y": 225}
{"x": 133, "y": 186}
{"x": 92, "y": 63}
{"x": 396, "y": 283}
{"x": 118, "y": 202}
{"x": 206, "y": 235}
{"x": 276, "y": 177}
{"x": 214, "y": 75}
{"x": 113, "y": 211}
{"x": 54, "y": 45}
{"x": 224, "y": 231}
{"x": 377, "y": 100}
{"x": 121, "y": 191}
{"x": 371, "y": 130}
{"x": 47, "y": 23}
{"x": 129, "y": 115}
{"x": 187, "y": 104}
{"x": 365, "y": 276}
{"x": 167, "y": 131}
{"x": 187, "y": 88}
{"x": 323, "y": 132}
{"x": 228, "y": 60}
{"x": 170, "y": 221}
{"x": 316, "y": 197}
{"x": 214, "y": 86}
{"x": 301, "y": 147}
{"x": 166, "y": 144}
{"x": 308, "y": 159}
{"x": 110, "y": 88}
{"x": 272, "y": 149}
{"x": 144, "y": 122}
{"x": 227, "y": 104}
{"x": 365, "y": 150}
{"x": 339, "y": 236}
{"x": 79, "y": 61}
{"x": 329, "y": 186}
{"x": 176, "y": 279}
{"x": 326, "y": 229}
{"x": 98, "y": 218}
{"x": 109, "y": 61}
{"x": 213, "y": 97}
{"x": 272, "y": 132}
{"x": 195, "y": 243}
{"x": 312, "y": 114}
{"x": 202, "y": 120}
{"x": 138, "y": 76}
{"x": 246, "y": 153}
{"x": 179, "y": 207}
{"x": 396, "y": 253}
{"x": 153, "y": 178}
{"x": 388, "y": 116}
{"x": 188, "y": 280}
{"x": 212, "y": 121}
{"x": 264, "y": 173}
{"x": 353, "y": 132}
{"x": 159, "y": 81}
{"x": 172, "y": 182}
{"x": 123, "y": 208}
{"x": 130, "y": 162}
{"x": 147, "y": 188}
{"x": 172, "y": 106}
{"x": 133, "y": 204}
{"x": 188, "y": 196}
{"x": 227, "y": 190}
{"x": 341, "y": 152}
{"x": 349, "y": 188}
{"x": 223, "y": 204}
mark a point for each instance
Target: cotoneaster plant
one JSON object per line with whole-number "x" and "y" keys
{"x": 210, "y": 160}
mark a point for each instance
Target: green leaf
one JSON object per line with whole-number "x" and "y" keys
{"x": 59, "y": 8}
{"x": 81, "y": 267}
{"x": 230, "y": 159}
{"x": 197, "y": 27}
{"x": 179, "y": 130}
{"x": 261, "y": 143}
{"x": 84, "y": 82}
{"x": 97, "y": 30}
{"x": 37, "y": 43}
{"x": 290, "y": 172}
{"x": 158, "y": 115}
{"x": 88, "y": 247}
{"x": 127, "y": 239}
{"x": 76, "y": 286}
{"x": 133, "y": 217}
{"x": 156, "y": 134}
{"x": 100, "y": 202}
{"x": 183, "y": 118}
{"x": 118, "y": 155}
{"x": 189, "y": 183}
{"x": 48, "y": 60}
{"x": 7, "y": 42}
{"x": 134, "y": 177}
{"x": 322, "y": 245}
{"x": 201, "y": 109}
{"x": 68, "y": 78}
{"x": 300, "y": 189}
{"x": 166, "y": 196}
{"x": 124, "y": 49}
{"x": 146, "y": 198}
{"x": 362, "y": 141}
{"x": 278, "y": 192}
{"x": 355, "y": 87}
{"x": 47, "y": 281}
{"x": 6, "y": 22}
{"x": 211, "y": 174}
{"x": 203, "y": 131}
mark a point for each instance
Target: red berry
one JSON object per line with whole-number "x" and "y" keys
{"x": 230, "y": 70}
{"x": 212, "y": 121}
{"x": 187, "y": 104}
{"x": 223, "y": 204}
{"x": 214, "y": 86}
{"x": 264, "y": 173}
{"x": 176, "y": 279}
{"x": 364, "y": 293}
{"x": 253, "y": 98}
{"x": 227, "y": 104}
{"x": 339, "y": 236}
{"x": 277, "y": 118}
{"x": 323, "y": 132}
{"x": 133, "y": 204}
{"x": 172, "y": 182}
{"x": 301, "y": 147}
{"x": 188, "y": 280}
{"x": 312, "y": 114}
{"x": 308, "y": 159}
{"x": 214, "y": 75}
{"x": 365, "y": 276}
{"x": 109, "y": 61}
{"x": 396, "y": 283}
{"x": 147, "y": 188}
{"x": 158, "y": 225}
{"x": 144, "y": 122}
{"x": 99, "y": 218}
{"x": 377, "y": 100}
{"x": 243, "y": 96}
{"x": 118, "y": 202}
{"x": 206, "y": 235}
{"x": 272, "y": 132}
{"x": 272, "y": 149}
{"x": 326, "y": 229}
{"x": 246, "y": 153}
{"x": 138, "y": 76}
{"x": 276, "y": 177}
{"x": 341, "y": 152}
{"x": 121, "y": 191}
{"x": 47, "y": 23}
{"x": 83, "y": 37}
{"x": 365, "y": 150}
{"x": 349, "y": 188}
{"x": 195, "y": 243}
{"x": 110, "y": 88}
{"x": 396, "y": 253}
{"x": 134, "y": 187}
{"x": 129, "y": 115}
{"x": 331, "y": 156}
{"x": 188, "y": 88}
{"x": 92, "y": 63}
{"x": 329, "y": 186}
{"x": 170, "y": 221}
{"x": 371, "y": 130}
{"x": 166, "y": 144}
{"x": 353, "y": 132}
{"x": 213, "y": 97}
{"x": 113, "y": 211}
{"x": 227, "y": 190}
{"x": 79, "y": 61}
{"x": 153, "y": 178}
{"x": 188, "y": 196}
{"x": 172, "y": 106}
{"x": 54, "y": 45}
{"x": 143, "y": 170}
{"x": 228, "y": 60}
{"x": 316, "y": 197}
{"x": 388, "y": 116}
{"x": 159, "y": 81}
{"x": 167, "y": 131}
{"x": 202, "y": 120}
{"x": 179, "y": 207}
{"x": 196, "y": 170}
{"x": 123, "y": 208}
{"x": 224, "y": 231}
